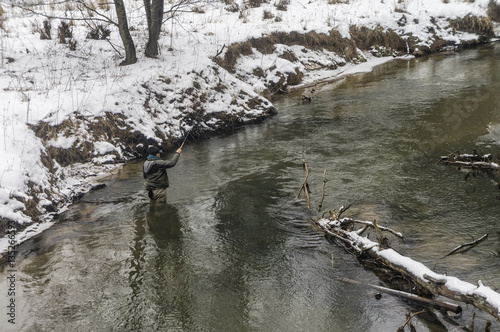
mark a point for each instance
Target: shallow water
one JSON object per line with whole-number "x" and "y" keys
{"x": 233, "y": 250}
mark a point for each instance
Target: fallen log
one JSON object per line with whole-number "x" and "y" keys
{"x": 386, "y": 260}
{"x": 474, "y": 163}
{"x": 422, "y": 300}
{"x": 480, "y": 296}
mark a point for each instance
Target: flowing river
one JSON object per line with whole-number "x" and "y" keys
{"x": 233, "y": 250}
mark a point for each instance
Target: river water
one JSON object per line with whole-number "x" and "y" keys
{"x": 233, "y": 250}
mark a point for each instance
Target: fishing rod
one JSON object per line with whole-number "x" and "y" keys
{"x": 185, "y": 138}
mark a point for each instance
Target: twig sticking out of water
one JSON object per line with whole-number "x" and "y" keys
{"x": 322, "y": 191}
{"x": 343, "y": 209}
{"x": 305, "y": 185}
{"x": 402, "y": 328}
{"x": 467, "y": 246}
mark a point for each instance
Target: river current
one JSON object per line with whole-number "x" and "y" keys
{"x": 234, "y": 249}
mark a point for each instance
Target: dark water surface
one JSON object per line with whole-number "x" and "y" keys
{"x": 233, "y": 250}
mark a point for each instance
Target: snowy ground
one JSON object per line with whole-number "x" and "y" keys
{"x": 63, "y": 93}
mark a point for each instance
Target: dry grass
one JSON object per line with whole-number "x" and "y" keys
{"x": 4, "y": 226}
{"x": 494, "y": 10}
{"x": 333, "y": 42}
{"x": 109, "y": 128}
{"x": 366, "y": 38}
{"x": 48, "y": 162}
{"x": 255, "y": 3}
{"x": 69, "y": 6}
{"x": 267, "y": 15}
{"x": 31, "y": 207}
{"x": 98, "y": 32}
{"x": 295, "y": 78}
{"x": 2, "y": 17}
{"x": 437, "y": 45}
{"x": 31, "y": 204}
{"x": 478, "y": 25}
{"x": 285, "y": 80}
{"x": 289, "y": 56}
{"x": 282, "y": 5}
{"x": 233, "y": 53}
{"x": 104, "y": 5}
{"x": 266, "y": 45}
{"x": 64, "y": 32}
{"x": 361, "y": 37}
{"x": 259, "y": 72}
{"x": 313, "y": 40}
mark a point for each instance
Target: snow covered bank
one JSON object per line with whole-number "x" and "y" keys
{"x": 70, "y": 113}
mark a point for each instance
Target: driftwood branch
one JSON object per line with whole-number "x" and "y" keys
{"x": 402, "y": 328}
{"x": 343, "y": 209}
{"x": 370, "y": 224}
{"x": 220, "y": 51}
{"x": 305, "y": 185}
{"x": 467, "y": 246}
{"x": 377, "y": 228}
{"x": 422, "y": 300}
{"x": 361, "y": 231}
{"x": 322, "y": 191}
{"x": 474, "y": 160}
{"x": 343, "y": 239}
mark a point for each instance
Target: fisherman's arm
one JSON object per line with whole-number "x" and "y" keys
{"x": 171, "y": 162}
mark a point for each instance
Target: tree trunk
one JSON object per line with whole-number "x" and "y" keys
{"x": 154, "y": 16}
{"x": 128, "y": 42}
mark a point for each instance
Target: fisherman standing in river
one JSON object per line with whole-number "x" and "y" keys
{"x": 155, "y": 173}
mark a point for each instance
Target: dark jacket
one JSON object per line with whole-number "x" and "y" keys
{"x": 155, "y": 171}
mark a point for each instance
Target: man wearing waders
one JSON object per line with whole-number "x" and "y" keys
{"x": 155, "y": 173}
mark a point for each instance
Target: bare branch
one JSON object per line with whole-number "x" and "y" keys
{"x": 322, "y": 190}
{"x": 29, "y": 7}
{"x": 467, "y": 246}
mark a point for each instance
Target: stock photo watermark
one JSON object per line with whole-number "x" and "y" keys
{"x": 11, "y": 273}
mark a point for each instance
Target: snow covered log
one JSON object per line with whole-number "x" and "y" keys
{"x": 480, "y": 296}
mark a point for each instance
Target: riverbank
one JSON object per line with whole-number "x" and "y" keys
{"x": 72, "y": 116}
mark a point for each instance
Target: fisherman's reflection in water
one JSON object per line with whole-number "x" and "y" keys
{"x": 156, "y": 275}
{"x": 163, "y": 223}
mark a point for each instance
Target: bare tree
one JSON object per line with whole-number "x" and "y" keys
{"x": 88, "y": 13}
{"x": 128, "y": 42}
{"x": 154, "y": 16}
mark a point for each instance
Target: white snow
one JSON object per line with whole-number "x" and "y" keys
{"x": 42, "y": 81}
